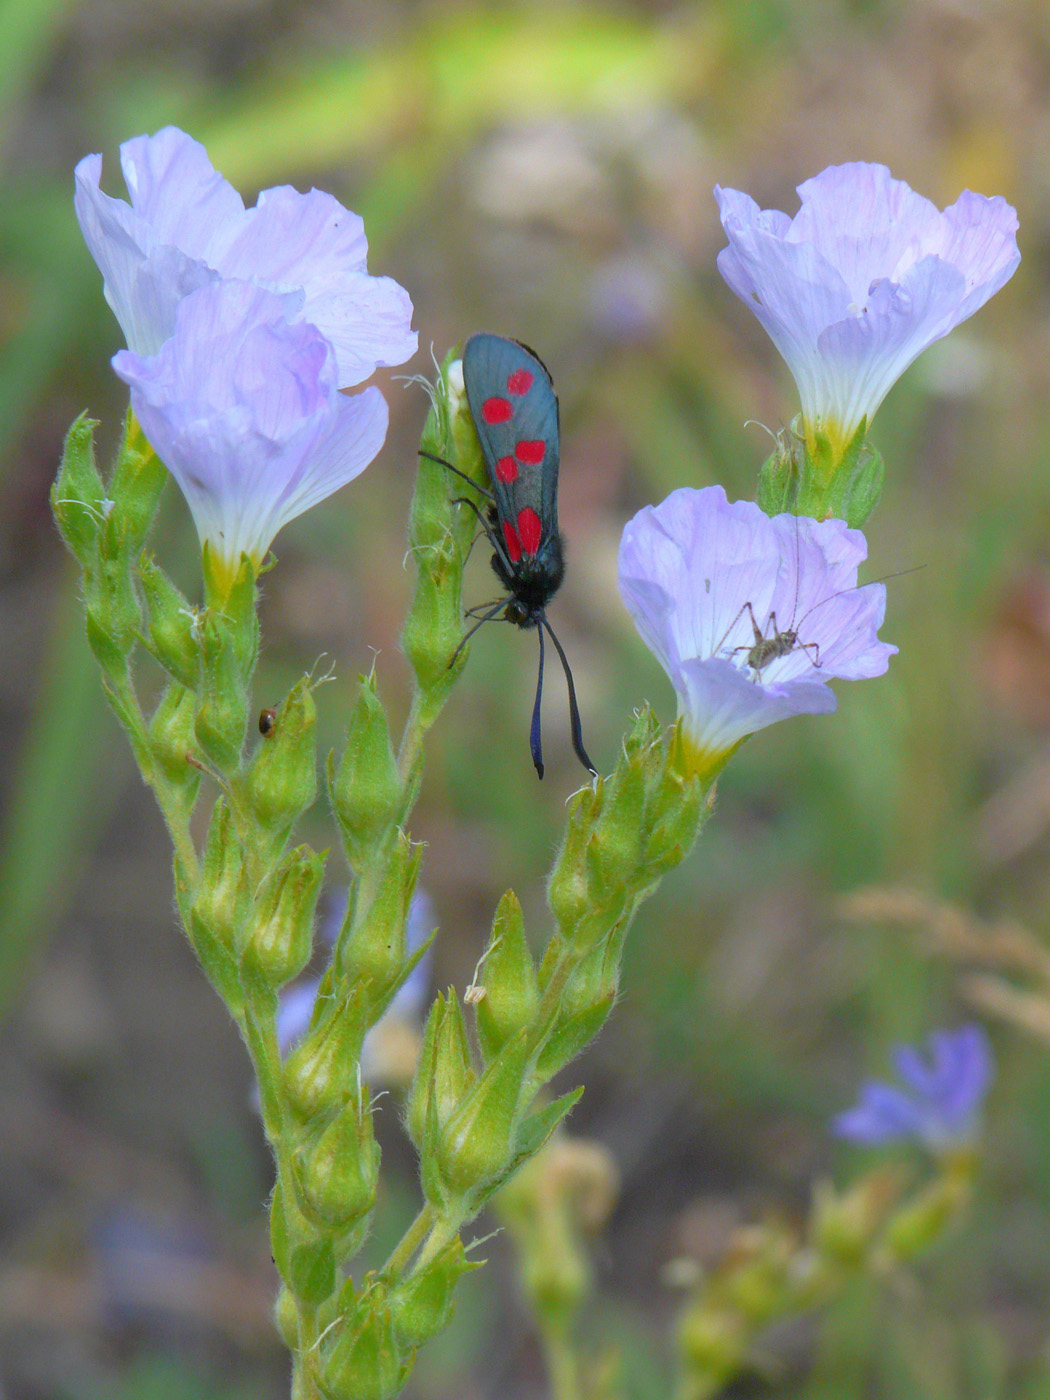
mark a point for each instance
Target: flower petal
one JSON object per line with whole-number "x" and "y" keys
{"x": 243, "y": 408}
{"x": 862, "y": 280}
{"x": 749, "y": 616}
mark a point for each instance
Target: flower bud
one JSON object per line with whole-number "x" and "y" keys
{"x": 925, "y": 1218}
{"x": 434, "y": 626}
{"x": 366, "y": 789}
{"x": 615, "y": 849}
{"x": 279, "y": 938}
{"x": 422, "y": 1305}
{"x": 304, "y": 1258}
{"x": 171, "y": 738}
{"x": 286, "y": 1318}
{"x": 712, "y": 1341}
{"x": 586, "y": 1001}
{"x": 477, "y": 1144}
{"x": 365, "y": 1362}
{"x": 219, "y": 906}
{"x": 114, "y": 619}
{"x": 222, "y": 715}
{"x": 843, "y": 1227}
{"x": 569, "y": 891}
{"x": 336, "y": 1173}
{"x": 444, "y": 1075}
{"x": 172, "y": 624}
{"x": 138, "y": 479}
{"x": 78, "y": 497}
{"x": 512, "y": 991}
{"x": 375, "y": 949}
{"x": 321, "y": 1073}
{"x": 282, "y": 780}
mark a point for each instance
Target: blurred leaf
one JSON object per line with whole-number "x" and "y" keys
{"x": 57, "y": 807}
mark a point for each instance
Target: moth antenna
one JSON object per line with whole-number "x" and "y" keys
{"x": 535, "y": 738}
{"x": 483, "y": 490}
{"x": 575, "y": 727}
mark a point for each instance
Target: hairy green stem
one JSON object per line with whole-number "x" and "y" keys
{"x": 409, "y": 1243}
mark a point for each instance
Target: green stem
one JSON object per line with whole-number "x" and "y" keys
{"x": 562, "y": 1363}
{"x": 445, "y": 1230}
{"x": 260, "y": 1033}
{"x": 410, "y": 1242}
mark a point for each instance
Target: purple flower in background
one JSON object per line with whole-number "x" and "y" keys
{"x": 187, "y": 227}
{"x": 243, "y": 407}
{"x": 389, "y": 1051}
{"x": 864, "y": 277}
{"x": 940, "y": 1103}
{"x": 699, "y": 574}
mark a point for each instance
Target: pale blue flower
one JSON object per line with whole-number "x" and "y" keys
{"x": 186, "y": 227}
{"x": 941, "y": 1101}
{"x": 295, "y": 1005}
{"x": 699, "y": 575}
{"x": 864, "y": 277}
{"x": 244, "y": 409}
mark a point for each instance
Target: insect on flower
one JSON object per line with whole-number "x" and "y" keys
{"x": 699, "y": 573}
{"x": 515, "y": 412}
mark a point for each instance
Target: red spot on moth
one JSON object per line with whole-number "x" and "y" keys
{"x": 513, "y": 543}
{"x": 520, "y": 382}
{"x": 497, "y": 410}
{"x": 506, "y": 470}
{"x": 531, "y": 453}
{"x": 529, "y": 530}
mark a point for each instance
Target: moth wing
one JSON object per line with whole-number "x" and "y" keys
{"x": 515, "y": 411}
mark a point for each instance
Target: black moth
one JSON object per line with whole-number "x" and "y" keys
{"x": 515, "y": 411}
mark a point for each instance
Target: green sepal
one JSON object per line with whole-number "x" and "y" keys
{"x": 279, "y": 935}
{"x": 222, "y": 715}
{"x": 423, "y": 1304}
{"x": 78, "y": 497}
{"x": 138, "y": 479}
{"x": 365, "y": 789}
{"x": 304, "y": 1259}
{"x": 172, "y": 624}
{"x": 571, "y": 1035}
{"x": 512, "y": 990}
{"x": 811, "y": 476}
{"x": 364, "y": 1362}
{"x": 321, "y": 1073}
{"x": 534, "y": 1131}
{"x": 281, "y": 782}
{"x": 374, "y": 949}
{"x": 477, "y": 1142}
{"x": 337, "y": 1170}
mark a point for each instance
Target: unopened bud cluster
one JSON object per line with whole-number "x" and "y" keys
{"x": 769, "y": 1272}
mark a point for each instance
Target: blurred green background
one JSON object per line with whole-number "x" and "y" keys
{"x": 542, "y": 171}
